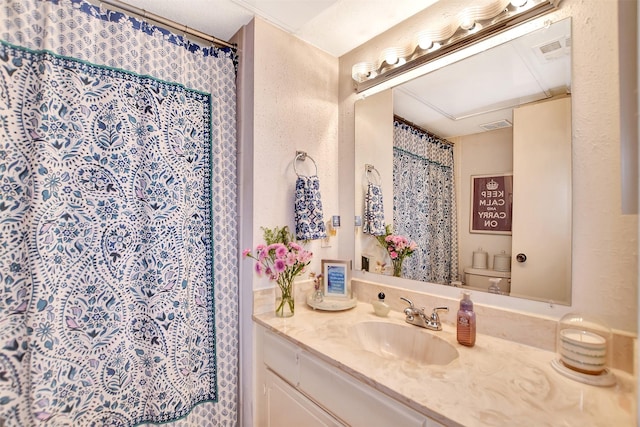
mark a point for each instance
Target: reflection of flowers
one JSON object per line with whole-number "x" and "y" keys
{"x": 398, "y": 248}
{"x": 318, "y": 293}
{"x": 317, "y": 280}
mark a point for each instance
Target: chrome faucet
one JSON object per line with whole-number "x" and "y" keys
{"x": 416, "y": 316}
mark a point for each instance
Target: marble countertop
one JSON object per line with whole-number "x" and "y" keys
{"x": 494, "y": 383}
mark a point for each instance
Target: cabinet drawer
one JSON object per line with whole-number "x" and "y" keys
{"x": 351, "y": 401}
{"x": 282, "y": 357}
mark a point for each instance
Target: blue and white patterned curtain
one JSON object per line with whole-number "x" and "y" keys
{"x": 424, "y": 203}
{"x": 118, "y": 297}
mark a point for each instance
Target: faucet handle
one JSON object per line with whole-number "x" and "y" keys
{"x": 409, "y": 311}
{"x": 434, "y": 314}
{"x": 408, "y": 301}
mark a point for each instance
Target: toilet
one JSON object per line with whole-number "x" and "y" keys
{"x": 478, "y": 279}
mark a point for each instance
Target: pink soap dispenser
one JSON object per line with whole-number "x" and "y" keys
{"x": 466, "y": 321}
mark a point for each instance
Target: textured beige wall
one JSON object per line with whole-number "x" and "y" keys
{"x": 295, "y": 105}
{"x": 605, "y": 242}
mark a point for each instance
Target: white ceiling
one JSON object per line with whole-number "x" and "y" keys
{"x": 335, "y": 26}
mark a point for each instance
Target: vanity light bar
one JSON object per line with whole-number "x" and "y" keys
{"x": 471, "y": 25}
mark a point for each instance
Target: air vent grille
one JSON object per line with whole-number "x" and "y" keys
{"x": 500, "y": 124}
{"x": 553, "y": 49}
{"x": 550, "y": 47}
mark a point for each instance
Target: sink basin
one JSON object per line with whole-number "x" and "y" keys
{"x": 399, "y": 342}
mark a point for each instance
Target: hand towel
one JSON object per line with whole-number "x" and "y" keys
{"x": 308, "y": 209}
{"x": 373, "y": 211}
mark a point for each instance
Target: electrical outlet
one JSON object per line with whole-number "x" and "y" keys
{"x": 365, "y": 263}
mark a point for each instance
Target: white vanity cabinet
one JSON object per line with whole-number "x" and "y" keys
{"x": 302, "y": 390}
{"x": 288, "y": 407}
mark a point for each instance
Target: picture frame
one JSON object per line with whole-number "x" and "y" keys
{"x": 491, "y": 204}
{"x": 336, "y": 278}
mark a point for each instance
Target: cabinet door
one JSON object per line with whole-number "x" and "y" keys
{"x": 288, "y": 407}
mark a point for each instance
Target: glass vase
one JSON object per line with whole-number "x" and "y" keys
{"x": 285, "y": 303}
{"x": 397, "y": 267}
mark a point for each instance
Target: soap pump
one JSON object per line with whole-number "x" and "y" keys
{"x": 380, "y": 307}
{"x": 466, "y": 321}
{"x": 493, "y": 287}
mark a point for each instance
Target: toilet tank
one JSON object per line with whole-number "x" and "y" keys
{"x": 478, "y": 278}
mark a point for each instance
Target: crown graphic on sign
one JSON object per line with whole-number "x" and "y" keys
{"x": 492, "y": 185}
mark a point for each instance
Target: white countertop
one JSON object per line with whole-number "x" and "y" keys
{"x": 494, "y": 383}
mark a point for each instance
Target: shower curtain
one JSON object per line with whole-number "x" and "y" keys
{"x": 424, "y": 204}
{"x": 118, "y": 297}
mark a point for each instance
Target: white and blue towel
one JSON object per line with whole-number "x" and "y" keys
{"x": 373, "y": 211}
{"x": 308, "y": 209}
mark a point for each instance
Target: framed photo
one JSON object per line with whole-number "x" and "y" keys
{"x": 337, "y": 278}
{"x": 491, "y": 204}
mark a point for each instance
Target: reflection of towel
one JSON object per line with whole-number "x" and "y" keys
{"x": 308, "y": 209}
{"x": 373, "y": 211}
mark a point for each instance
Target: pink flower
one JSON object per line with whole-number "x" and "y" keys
{"x": 304, "y": 257}
{"x": 291, "y": 258}
{"x": 393, "y": 254}
{"x": 281, "y": 250}
{"x": 280, "y": 265}
{"x": 276, "y": 259}
{"x": 259, "y": 269}
{"x": 294, "y": 246}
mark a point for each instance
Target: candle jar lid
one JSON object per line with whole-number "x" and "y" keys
{"x": 583, "y": 343}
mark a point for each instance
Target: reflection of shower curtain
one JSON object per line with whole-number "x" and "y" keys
{"x": 117, "y": 167}
{"x": 424, "y": 206}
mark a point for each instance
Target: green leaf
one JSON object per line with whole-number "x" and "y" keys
{"x": 277, "y": 235}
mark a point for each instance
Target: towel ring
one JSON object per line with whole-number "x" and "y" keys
{"x": 302, "y": 156}
{"x": 369, "y": 169}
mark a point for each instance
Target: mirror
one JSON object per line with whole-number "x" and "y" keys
{"x": 507, "y": 111}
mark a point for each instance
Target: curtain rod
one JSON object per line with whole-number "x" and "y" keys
{"x": 423, "y": 130}
{"x": 168, "y": 22}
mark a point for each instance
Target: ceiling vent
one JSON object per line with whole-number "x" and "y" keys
{"x": 500, "y": 124}
{"x": 554, "y": 49}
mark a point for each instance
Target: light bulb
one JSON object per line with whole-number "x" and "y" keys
{"x": 363, "y": 71}
{"x": 423, "y": 40}
{"x": 390, "y": 55}
{"x": 467, "y": 24}
{"x": 518, "y": 3}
